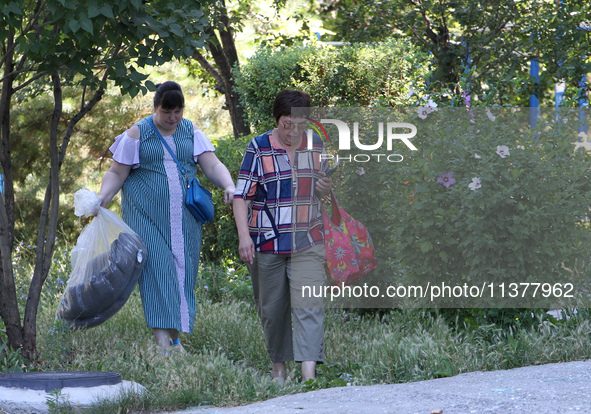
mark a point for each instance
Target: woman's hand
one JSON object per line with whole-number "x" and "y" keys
{"x": 229, "y": 194}
{"x": 246, "y": 250}
{"x": 323, "y": 185}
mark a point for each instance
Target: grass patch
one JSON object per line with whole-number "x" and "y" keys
{"x": 227, "y": 364}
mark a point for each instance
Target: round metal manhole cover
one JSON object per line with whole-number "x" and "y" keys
{"x": 56, "y": 380}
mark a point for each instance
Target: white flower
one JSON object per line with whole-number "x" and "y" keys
{"x": 584, "y": 145}
{"x": 410, "y": 93}
{"x": 583, "y": 135}
{"x": 360, "y": 171}
{"x": 503, "y": 151}
{"x": 475, "y": 184}
{"x": 432, "y": 106}
{"x": 478, "y": 157}
{"x": 427, "y": 109}
{"x": 490, "y": 115}
{"x": 423, "y": 112}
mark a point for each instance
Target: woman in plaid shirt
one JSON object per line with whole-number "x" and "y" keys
{"x": 278, "y": 214}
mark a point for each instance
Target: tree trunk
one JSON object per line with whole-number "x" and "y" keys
{"x": 8, "y": 301}
{"x": 50, "y": 213}
{"x": 224, "y": 66}
{"x": 47, "y": 229}
{"x": 223, "y": 50}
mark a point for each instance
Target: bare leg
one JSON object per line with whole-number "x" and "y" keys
{"x": 308, "y": 370}
{"x": 174, "y": 334}
{"x": 278, "y": 370}
{"x": 162, "y": 337}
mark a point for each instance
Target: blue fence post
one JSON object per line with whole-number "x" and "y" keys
{"x": 583, "y": 121}
{"x": 534, "y": 102}
{"x": 583, "y": 102}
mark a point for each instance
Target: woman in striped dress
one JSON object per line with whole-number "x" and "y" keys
{"x": 152, "y": 204}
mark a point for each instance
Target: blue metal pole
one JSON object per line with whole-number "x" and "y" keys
{"x": 583, "y": 121}
{"x": 534, "y": 102}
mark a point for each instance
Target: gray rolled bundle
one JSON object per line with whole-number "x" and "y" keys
{"x": 108, "y": 282}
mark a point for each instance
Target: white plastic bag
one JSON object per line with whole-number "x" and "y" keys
{"x": 106, "y": 263}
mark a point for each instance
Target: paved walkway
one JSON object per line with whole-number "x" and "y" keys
{"x": 562, "y": 388}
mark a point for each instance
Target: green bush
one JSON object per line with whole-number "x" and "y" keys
{"x": 523, "y": 222}
{"x": 378, "y": 74}
{"x": 526, "y": 223}
{"x": 351, "y": 75}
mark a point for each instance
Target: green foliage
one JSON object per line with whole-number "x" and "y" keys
{"x": 527, "y": 222}
{"x": 58, "y": 403}
{"x": 473, "y": 33}
{"x": 351, "y": 75}
{"x": 11, "y": 361}
{"x": 80, "y": 34}
{"x": 522, "y": 223}
{"x": 505, "y": 319}
{"x": 221, "y": 284}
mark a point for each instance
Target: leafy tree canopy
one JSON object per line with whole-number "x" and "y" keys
{"x": 497, "y": 37}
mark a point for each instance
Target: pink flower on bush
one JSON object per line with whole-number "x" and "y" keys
{"x": 475, "y": 184}
{"x": 467, "y": 99}
{"x": 447, "y": 179}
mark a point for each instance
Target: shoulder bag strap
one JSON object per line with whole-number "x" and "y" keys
{"x": 167, "y": 147}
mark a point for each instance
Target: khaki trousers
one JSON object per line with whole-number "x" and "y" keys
{"x": 277, "y": 282}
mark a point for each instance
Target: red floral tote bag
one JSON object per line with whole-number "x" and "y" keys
{"x": 349, "y": 248}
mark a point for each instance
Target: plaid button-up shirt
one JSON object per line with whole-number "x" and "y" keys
{"x": 285, "y": 215}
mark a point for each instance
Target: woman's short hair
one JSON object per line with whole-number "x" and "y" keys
{"x": 288, "y": 99}
{"x": 169, "y": 95}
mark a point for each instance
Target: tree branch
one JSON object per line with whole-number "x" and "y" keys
{"x": 47, "y": 226}
{"x": 211, "y": 70}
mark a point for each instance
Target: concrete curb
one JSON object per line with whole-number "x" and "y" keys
{"x": 22, "y": 401}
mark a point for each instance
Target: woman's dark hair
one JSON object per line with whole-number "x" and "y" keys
{"x": 169, "y": 95}
{"x": 288, "y": 99}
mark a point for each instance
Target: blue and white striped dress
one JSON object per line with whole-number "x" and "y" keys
{"x": 153, "y": 206}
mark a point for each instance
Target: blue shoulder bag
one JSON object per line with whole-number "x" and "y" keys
{"x": 198, "y": 199}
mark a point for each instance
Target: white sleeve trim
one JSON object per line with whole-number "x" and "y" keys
{"x": 201, "y": 143}
{"x": 126, "y": 150}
